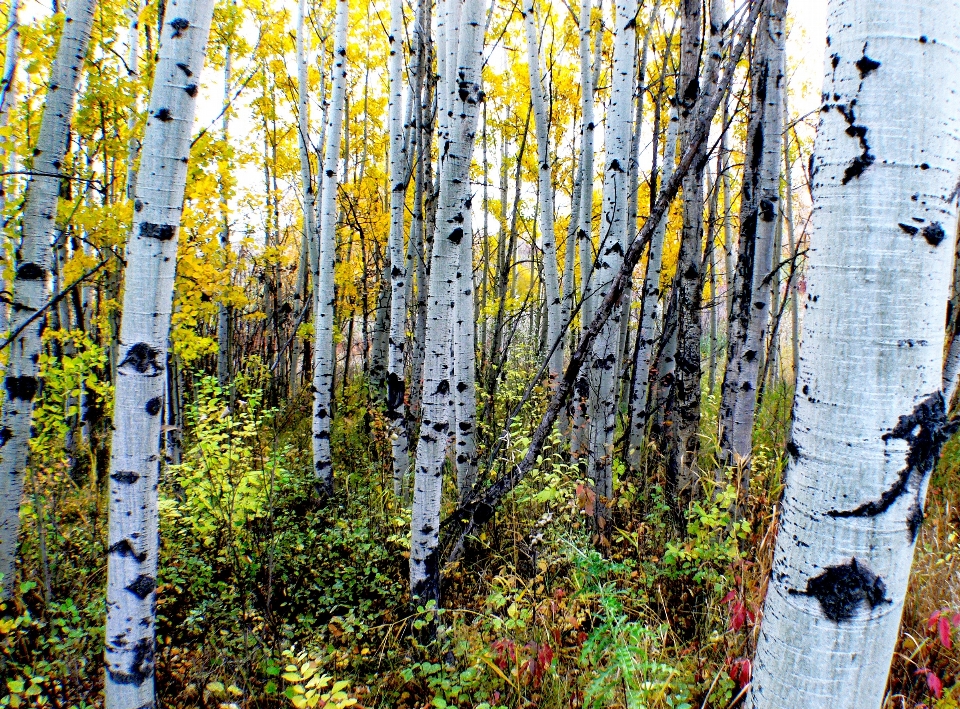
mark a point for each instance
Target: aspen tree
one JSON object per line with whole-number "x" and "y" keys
{"x": 147, "y": 300}
{"x": 458, "y": 135}
{"x": 33, "y": 268}
{"x": 545, "y": 194}
{"x": 396, "y": 387}
{"x": 309, "y": 224}
{"x": 768, "y": 142}
{"x": 8, "y": 93}
{"x": 604, "y": 364}
{"x": 223, "y": 312}
{"x": 323, "y": 354}
{"x": 869, "y": 413}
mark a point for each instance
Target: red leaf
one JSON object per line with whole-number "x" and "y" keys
{"x": 935, "y": 685}
{"x": 729, "y": 597}
{"x": 740, "y": 672}
{"x": 738, "y": 616}
{"x": 956, "y": 620}
{"x": 943, "y": 627}
{"x": 932, "y": 621}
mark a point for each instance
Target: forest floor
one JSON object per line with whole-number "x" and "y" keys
{"x": 267, "y": 598}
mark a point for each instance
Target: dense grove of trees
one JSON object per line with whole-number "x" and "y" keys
{"x": 479, "y": 354}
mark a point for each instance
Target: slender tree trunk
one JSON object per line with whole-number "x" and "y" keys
{"x": 651, "y": 310}
{"x": 548, "y": 243}
{"x": 396, "y": 374}
{"x": 463, "y": 102}
{"x": 30, "y": 284}
{"x": 768, "y": 142}
{"x": 323, "y": 356}
{"x": 791, "y": 292}
{"x": 147, "y": 301}
{"x": 223, "y": 310}
{"x": 869, "y": 415}
{"x": 8, "y": 93}
{"x": 465, "y": 365}
{"x": 604, "y": 366}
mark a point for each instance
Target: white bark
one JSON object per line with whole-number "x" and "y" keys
{"x": 132, "y": 12}
{"x": 396, "y": 387}
{"x": 545, "y": 193}
{"x": 223, "y": 313}
{"x": 771, "y": 38}
{"x": 604, "y": 364}
{"x": 450, "y": 231}
{"x": 30, "y": 284}
{"x": 465, "y": 364}
{"x": 8, "y": 92}
{"x": 323, "y": 354}
{"x": 869, "y": 415}
{"x": 650, "y": 312}
{"x": 141, "y": 373}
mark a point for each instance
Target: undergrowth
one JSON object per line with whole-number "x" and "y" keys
{"x": 270, "y": 597}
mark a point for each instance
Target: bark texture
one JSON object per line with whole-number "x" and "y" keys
{"x": 869, "y": 415}
{"x": 141, "y": 371}
{"x": 31, "y": 289}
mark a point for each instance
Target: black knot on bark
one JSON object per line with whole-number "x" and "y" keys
{"x": 164, "y": 115}
{"x": 179, "y": 24}
{"x": 934, "y": 234}
{"x": 153, "y": 406}
{"x": 22, "y": 388}
{"x": 141, "y": 665}
{"x": 144, "y": 359}
{"x": 160, "y": 232}
{"x": 842, "y": 589}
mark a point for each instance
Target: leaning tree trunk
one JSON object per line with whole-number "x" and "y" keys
{"x": 396, "y": 387}
{"x": 141, "y": 372}
{"x": 323, "y": 304}
{"x": 869, "y": 415}
{"x": 30, "y": 284}
{"x": 604, "y": 365}
{"x": 545, "y": 193}
{"x": 454, "y": 199}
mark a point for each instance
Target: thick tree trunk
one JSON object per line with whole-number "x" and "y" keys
{"x": 30, "y": 282}
{"x": 324, "y": 361}
{"x": 869, "y": 415}
{"x": 463, "y": 104}
{"x": 147, "y": 301}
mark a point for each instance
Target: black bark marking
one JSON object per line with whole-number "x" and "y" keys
{"x": 160, "y": 232}
{"x": 909, "y": 229}
{"x": 153, "y": 406}
{"x": 767, "y": 210}
{"x": 866, "y": 158}
{"x": 834, "y": 60}
{"x": 137, "y": 205}
{"x": 143, "y": 358}
{"x": 31, "y": 272}
{"x": 142, "y": 586}
{"x": 867, "y": 65}
{"x": 396, "y": 389}
{"x": 127, "y": 477}
{"x": 22, "y": 388}
{"x": 179, "y": 24}
{"x": 841, "y": 589}
{"x": 141, "y": 666}
{"x": 934, "y": 234}
{"x": 125, "y": 548}
{"x": 396, "y": 272}
{"x": 163, "y": 115}
{"x": 925, "y": 430}
{"x": 191, "y": 90}
{"x": 185, "y": 69}
{"x": 5, "y": 435}
{"x": 456, "y": 236}
{"x": 443, "y": 387}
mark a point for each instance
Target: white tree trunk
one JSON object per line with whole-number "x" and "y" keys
{"x": 771, "y": 38}
{"x": 545, "y": 192}
{"x": 133, "y": 11}
{"x": 396, "y": 378}
{"x": 650, "y": 312}
{"x": 604, "y": 365}
{"x": 223, "y": 313}
{"x": 141, "y": 372}
{"x": 30, "y": 284}
{"x": 309, "y": 235}
{"x": 869, "y": 414}
{"x": 465, "y": 363}
{"x": 454, "y": 200}
{"x": 8, "y": 93}
{"x": 323, "y": 354}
